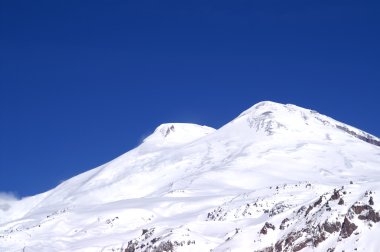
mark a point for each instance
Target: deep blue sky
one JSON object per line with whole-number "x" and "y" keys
{"x": 82, "y": 82}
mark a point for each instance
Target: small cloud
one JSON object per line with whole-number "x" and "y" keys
{"x": 8, "y": 196}
{"x": 4, "y": 207}
{"x": 5, "y": 199}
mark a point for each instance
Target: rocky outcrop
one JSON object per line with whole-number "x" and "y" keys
{"x": 265, "y": 228}
{"x": 364, "y": 136}
{"x": 306, "y": 228}
{"x": 347, "y": 228}
{"x": 307, "y": 237}
{"x": 151, "y": 241}
{"x": 366, "y": 212}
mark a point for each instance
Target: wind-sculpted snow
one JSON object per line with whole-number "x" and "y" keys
{"x": 276, "y": 178}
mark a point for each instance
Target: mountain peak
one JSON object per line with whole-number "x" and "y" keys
{"x": 169, "y": 134}
{"x": 270, "y": 118}
{"x": 254, "y": 184}
{"x": 270, "y": 106}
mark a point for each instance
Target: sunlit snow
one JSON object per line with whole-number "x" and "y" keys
{"x": 193, "y": 188}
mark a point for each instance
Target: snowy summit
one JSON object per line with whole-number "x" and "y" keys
{"x": 276, "y": 178}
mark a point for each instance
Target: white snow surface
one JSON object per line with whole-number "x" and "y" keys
{"x": 193, "y": 188}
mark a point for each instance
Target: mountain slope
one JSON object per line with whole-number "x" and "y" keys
{"x": 276, "y": 178}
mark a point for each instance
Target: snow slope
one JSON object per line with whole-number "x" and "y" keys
{"x": 276, "y": 178}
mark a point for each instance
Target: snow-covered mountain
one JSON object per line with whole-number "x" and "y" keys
{"x": 276, "y": 178}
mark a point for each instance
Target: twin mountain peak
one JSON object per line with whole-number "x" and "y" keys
{"x": 265, "y": 118}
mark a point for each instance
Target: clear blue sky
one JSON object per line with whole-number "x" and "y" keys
{"x": 82, "y": 82}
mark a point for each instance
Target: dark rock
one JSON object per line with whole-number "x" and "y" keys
{"x": 301, "y": 209}
{"x": 147, "y": 233}
{"x": 358, "y": 209}
{"x": 328, "y": 208}
{"x": 302, "y": 245}
{"x": 265, "y": 228}
{"x": 365, "y": 137}
{"x": 366, "y": 212}
{"x": 370, "y": 215}
{"x": 318, "y": 237}
{"x": 269, "y": 249}
{"x": 154, "y": 240}
{"x": 165, "y": 247}
{"x": 335, "y": 195}
{"x": 319, "y": 201}
{"x": 292, "y": 237}
{"x": 278, "y": 246}
{"x": 331, "y": 227}
{"x": 308, "y": 210}
{"x": 347, "y": 228}
{"x": 296, "y": 241}
{"x": 371, "y": 201}
{"x": 287, "y": 242}
{"x": 278, "y": 208}
{"x": 131, "y": 247}
{"x": 283, "y": 222}
{"x": 341, "y": 201}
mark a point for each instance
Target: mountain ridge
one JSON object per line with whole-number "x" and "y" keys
{"x": 272, "y": 179}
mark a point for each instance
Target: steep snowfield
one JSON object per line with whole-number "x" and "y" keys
{"x": 276, "y": 178}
